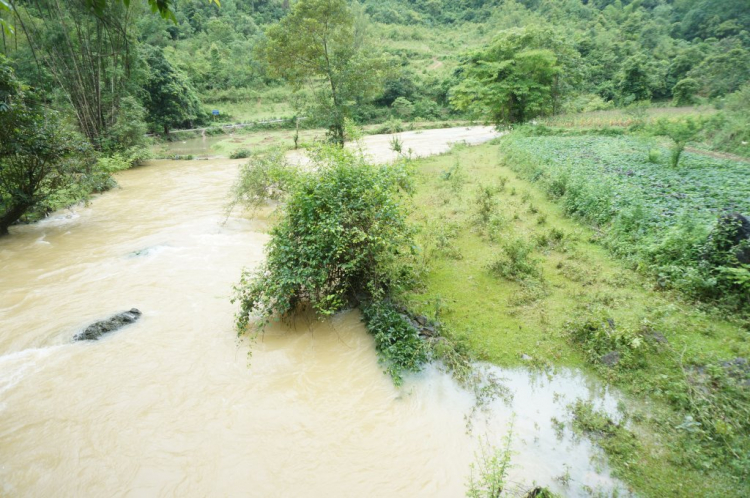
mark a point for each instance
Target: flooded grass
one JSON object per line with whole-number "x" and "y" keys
{"x": 650, "y": 336}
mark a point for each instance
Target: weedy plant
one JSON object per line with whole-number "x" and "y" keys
{"x": 488, "y": 474}
{"x": 455, "y": 177}
{"x": 516, "y": 262}
{"x": 240, "y": 154}
{"x": 486, "y": 204}
{"x": 397, "y": 145}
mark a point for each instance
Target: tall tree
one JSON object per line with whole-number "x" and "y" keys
{"x": 319, "y": 43}
{"x": 35, "y": 150}
{"x": 514, "y": 79}
{"x": 88, "y": 53}
{"x": 169, "y": 97}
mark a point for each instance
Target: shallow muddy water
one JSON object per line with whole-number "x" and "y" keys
{"x": 173, "y": 405}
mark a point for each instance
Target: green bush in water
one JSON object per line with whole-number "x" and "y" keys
{"x": 342, "y": 240}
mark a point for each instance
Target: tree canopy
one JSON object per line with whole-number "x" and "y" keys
{"x": 35, "y": 150}
{"x": 170, "y": 99}
{"x": 512, "y": 80}
{"x": 319, "y": 42}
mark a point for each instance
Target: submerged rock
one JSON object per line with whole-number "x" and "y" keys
{"x": 115, "y": 322}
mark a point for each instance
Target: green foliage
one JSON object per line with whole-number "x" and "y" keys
{"x": 391, "y": 126}
{"x": 486, "y": 202}
{"x": 730, "y": 130}
{"x": 456, "y": 178}
{"x": 321, "y": 40}
{"x": 397, "y": 341}
{"x": 39, "y": 157}
{"x": 638, "y": 79}
{"x": 489, "y": 473}
{"x": 654, "y": 217}
{"x": 513, "y": 80}
{"x": 684, "y": 91}
{"x": 614, "y": 438}
{"x": 342, "y": 240}
{"x": 241, "y": 154}
{"x": 599, "y": 336}
{"x": 397, "y": 145}
{"x": 516, "y": 262}
{"x": 169, "y": 97}
{"x": 681, "y": 132}
{"x": 266, "y": 177}
{"x": 403, "y": 108}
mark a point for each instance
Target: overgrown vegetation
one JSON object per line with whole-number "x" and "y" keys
{"x": 342, "y": 240}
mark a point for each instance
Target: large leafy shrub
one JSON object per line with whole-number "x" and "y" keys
{"x": 342, "y": 240}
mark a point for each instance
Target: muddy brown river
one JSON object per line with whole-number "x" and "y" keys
{"x": 173, "y": 405}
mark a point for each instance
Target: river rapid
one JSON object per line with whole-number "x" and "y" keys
{"x": 174, "y": 405}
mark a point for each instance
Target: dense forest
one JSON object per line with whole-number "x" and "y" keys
{"x": 596, "y": 54}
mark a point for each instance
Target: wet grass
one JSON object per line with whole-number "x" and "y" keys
{"x": 558, "y": 298}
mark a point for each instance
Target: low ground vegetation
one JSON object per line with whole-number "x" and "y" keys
{"x": 552, "y": 293}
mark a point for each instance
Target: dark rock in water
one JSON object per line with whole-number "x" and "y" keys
{"x": 96, "y": 330}
{"x": 732, "y": 233}
{"x": 610, "y": 359}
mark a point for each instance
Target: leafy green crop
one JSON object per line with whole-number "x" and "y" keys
{"x": 656, "y": 217}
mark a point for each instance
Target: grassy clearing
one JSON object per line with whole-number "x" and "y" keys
{"x": 249, "y": 111}
{"x": 624, "y": 117}
{"x": 523, "y": 284}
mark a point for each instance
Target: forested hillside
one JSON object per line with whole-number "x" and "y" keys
{"x": 607, "y": 53}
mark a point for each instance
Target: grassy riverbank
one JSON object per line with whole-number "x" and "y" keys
{"x": 524, "y": 284}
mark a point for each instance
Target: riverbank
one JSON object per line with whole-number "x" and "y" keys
{"x": 522, "y": 284}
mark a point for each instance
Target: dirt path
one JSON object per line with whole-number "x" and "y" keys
{"x": 718, "y": 155}
{"x": 422, "y": 143}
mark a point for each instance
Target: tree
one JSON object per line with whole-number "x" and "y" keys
{"x": 681, "y": 132}
{"x": 637, "y": 79}
{"x": 511, "y": 81}
{"x": 684, "y": 91}
{"x": 5, "y": 26}
{"x": 170, "y": 99}
{"x": 34, "y": 150}
{"x": 163, "y": 7}
{"x": 89, "y": 56}
{"x": 319, "y": 41}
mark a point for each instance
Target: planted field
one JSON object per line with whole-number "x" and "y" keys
{"x": 647, "y": 212}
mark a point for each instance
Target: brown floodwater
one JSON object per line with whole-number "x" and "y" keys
{"x": 174, "y": 406}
